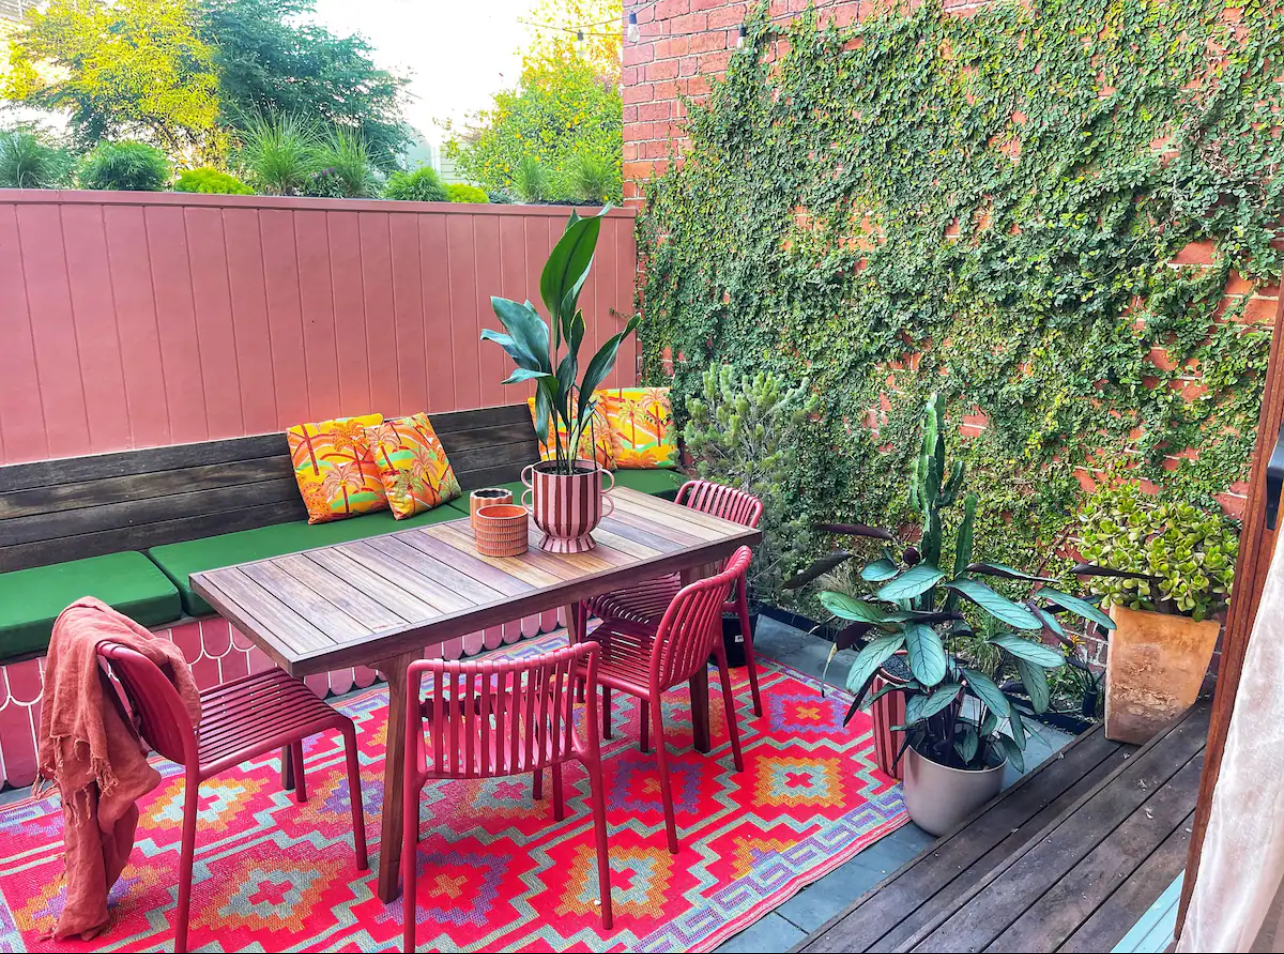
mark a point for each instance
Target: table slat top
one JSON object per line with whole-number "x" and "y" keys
{"x": 368, "y": 600}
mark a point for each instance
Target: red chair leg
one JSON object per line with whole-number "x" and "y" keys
{"x": 409, "y": 862}
{"x": 645, "y": 741}
{"x": 599, "y": 830}
{"x": 729, "y": 703}
{"x": 742, "y": 610}
{"x": 606, "y": 712}
{"x": 537, "y": 784}
{"x": 559, "y": 799}
{"x": 354, "y": 794}
{"x": 666, "y": 793}
{"x": 300, "y": 779}
{"x": 186, "y": 858}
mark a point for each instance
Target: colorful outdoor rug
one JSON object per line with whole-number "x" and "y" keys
{"x": 496, "y": 872}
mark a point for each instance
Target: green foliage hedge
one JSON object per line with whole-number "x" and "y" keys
{"x": 211, "y": 182}
{"x": 130, "y": 166}
{"x": 463, "y": 192}
{"x": 421, "y": 185}
{"x": 1077, "y": 146}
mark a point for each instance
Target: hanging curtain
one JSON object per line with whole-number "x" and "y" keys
{"x": 1238, "y": 901}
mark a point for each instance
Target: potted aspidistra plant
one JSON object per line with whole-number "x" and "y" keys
{"x": 566, "y": 491}
{"x": 960, "y": 640}
{"x": 1164, "y": 570}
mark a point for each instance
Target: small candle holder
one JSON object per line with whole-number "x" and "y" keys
{"x": 486, "y": 497}
{"x": 502, "y": 530}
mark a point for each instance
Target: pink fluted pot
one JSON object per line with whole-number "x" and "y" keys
{"x": 567, "y": 507}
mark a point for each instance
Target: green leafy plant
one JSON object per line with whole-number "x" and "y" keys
{"x": 279, "y": 153}
{"x": 127, "y": 166}
{"x": 590, "y": 177}
{"x": 562, "y": 397}
{"x": 463, "y": 192}
{"x": 947, "y": 613}
{"x": 344, "y": 165}
{"x": 744, "y": 430}
{"x": 532, "y": 181}
{"x": 30, "y": 160}
{"x": 1164, "y": 557}
{"x": 420, "y": 185}
{"x": 211, "y": 182}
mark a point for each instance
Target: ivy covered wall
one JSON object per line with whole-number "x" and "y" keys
{"x": 1064, "y": 214}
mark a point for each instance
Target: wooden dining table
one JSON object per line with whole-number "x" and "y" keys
{"x": 382, "y": 601}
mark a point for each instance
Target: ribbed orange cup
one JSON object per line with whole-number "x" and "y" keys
{"x": 486, "y": 497}
{"x": 501, "y": 530}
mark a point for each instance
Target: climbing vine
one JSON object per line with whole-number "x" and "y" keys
{"x": 988, "y": 206}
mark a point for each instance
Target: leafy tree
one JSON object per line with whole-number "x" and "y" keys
{"x": 131, "y": 69}
{"x": 271, "y": 63}
{"x": 565, "y": 114}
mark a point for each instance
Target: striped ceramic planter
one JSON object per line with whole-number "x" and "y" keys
{"x": 566, "y": 506}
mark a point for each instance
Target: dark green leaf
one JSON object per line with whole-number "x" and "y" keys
{"x": 1091, "y": 569}
{"x": 524, "y": 374}
{"x": 925, "y": 706}
{"x": 963, "y": 543}
{"x": 603, "y": 362}
{"x": 848, "y": 607}
{"x": 846, "y": 637}
{"x": 569, "y": 262}
{"x": 1000, "y": 607}
{"x": 983, "y": 687}
{"x": 854, "y": 530}
{"x": 917, "y": 579}
{"x": 1078, "y": 607}
{"x": 1007, "y": 572}
{"x": 818, "y": 569}
{"x": 989, "y": 723}
{"x": 876, "y": 652}
{"x": 1018, "y": 727}
{"x": 1013, "y": 753}
{"x": 1029, "y": 650}
{"x": 926, "y": 653}
{"x": 1035, "y": 681}
{"x": 1049, "y": 621}
{"x": 966, "y": 744}
{"x": 879, "y": 570}
{"x": 527, "y": 338}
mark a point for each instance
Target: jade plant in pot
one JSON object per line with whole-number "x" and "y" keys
{"x": 1164, "y": 571}
{"x": 938, "y": 630}
{"x": 565, "y": 492}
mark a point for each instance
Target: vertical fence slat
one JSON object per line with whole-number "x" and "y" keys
{"x": 349, "y": 313}
{"x": 316, "y": 298}
{"x": 254, "y": 355}
{"x": 381, "y": 323}
{"x": 461, "y": 248}
{"x": 176, "y": 323}
{"x": 492, "y": 363}
{"x": 22, "y": 416}
{"x": 439, "y": 329}
{"x": 216, "y": 338}
{"x": 408, "y": 310}
{"x": 284, "y": 317}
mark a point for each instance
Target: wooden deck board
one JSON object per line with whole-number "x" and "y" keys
{"x": 1067, "y": 859}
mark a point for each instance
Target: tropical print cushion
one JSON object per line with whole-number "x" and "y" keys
{"x": 596, "y": 442}
{"x": 642, "y": 425}
{"x": 412, "y": 464}
{"x": 336, "y": 474}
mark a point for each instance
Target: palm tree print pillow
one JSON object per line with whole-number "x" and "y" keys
{"x": 412, "y": 464}
{"x": 336, "y": 473}
{"x": 596, "y": 442}
{"x": 642, "y": 425}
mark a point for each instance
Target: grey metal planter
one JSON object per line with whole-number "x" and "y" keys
{"x": 938, "y": 797}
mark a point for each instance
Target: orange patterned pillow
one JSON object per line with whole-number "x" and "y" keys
{"x": 412, "y": 464}
{"x": 595, "y": 442}
{"x": 642, "y": 426}
{"x": 336, "y": 474}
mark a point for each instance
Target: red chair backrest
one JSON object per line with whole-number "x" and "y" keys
{"x": 687, "y": 632}
{"x": 493, "y": 718}
{"x": 718, "y": 500}
{"x": 163, "y": 721}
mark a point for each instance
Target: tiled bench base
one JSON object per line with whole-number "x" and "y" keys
{"x": 217, "y": 653}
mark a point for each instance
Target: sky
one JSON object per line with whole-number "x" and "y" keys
{"x": 458, "y": 52}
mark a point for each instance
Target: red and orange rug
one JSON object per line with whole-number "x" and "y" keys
{"x": 496, "y": 872}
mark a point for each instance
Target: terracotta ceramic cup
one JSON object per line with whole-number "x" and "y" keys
{"x": 501, "y": 530}
{"x": 486, "y": 497}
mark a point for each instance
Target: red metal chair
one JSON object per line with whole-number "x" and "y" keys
{"x": 646, "y": 601}
{"x": 645, "y": 661}
{"x": 240, "y": 720}
{"x": 492, "y": 719}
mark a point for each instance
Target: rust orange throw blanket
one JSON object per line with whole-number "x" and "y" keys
{"x": 94, "y": 756}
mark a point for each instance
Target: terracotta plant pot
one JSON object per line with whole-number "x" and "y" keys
{"x": 567, "y": 507}
{"x": 938, "y": 798}
{"x": 888, "y": 711}
{"x": 502, "y": 530}
{"x": 1155, "y": 665}
{"x": 486, "y": 497}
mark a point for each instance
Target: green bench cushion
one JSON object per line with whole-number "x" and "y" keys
{"x": 181, "y": 560}
{"x": 30, "y": 600}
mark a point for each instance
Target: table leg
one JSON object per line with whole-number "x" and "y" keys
{"x": 700, "y": 681}
{"x": 394, "y": 772}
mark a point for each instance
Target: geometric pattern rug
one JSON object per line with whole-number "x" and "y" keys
{"x": 496, "y": 872}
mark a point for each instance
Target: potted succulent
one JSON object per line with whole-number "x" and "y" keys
{"x": 1164, "y": 570}
{"x": 937, "y": 630}
{"x": 743, "y": 431}
{"x": 566, "y": 492}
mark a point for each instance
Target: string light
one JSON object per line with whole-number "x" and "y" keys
{"x": 634, "y": 32}
{"x": 740, "y": 37}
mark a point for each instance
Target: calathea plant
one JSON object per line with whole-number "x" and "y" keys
{"x": 962, "y": 639}
{"x": 562, "y": 398}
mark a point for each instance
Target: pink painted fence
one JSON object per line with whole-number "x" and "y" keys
{"x": 141, "y": 320}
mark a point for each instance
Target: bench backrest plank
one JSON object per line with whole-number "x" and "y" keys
{"x": 57, "y": 510}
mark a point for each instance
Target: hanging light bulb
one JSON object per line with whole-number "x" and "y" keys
{"x": 740, "y": 37}
{"x": 579, "y": 37}
{"x": 633, "y": 32}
